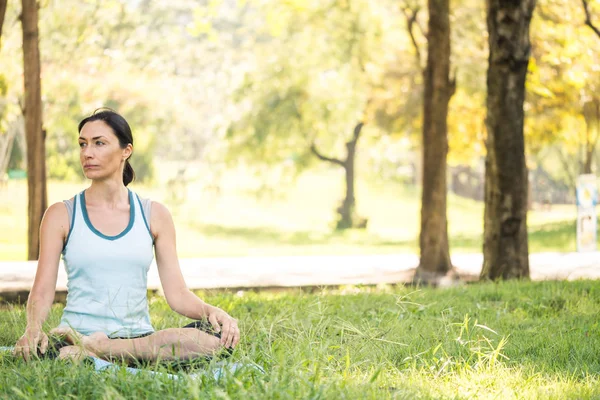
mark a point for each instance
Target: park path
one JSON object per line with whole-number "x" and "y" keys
{"x": 288, "y": 271}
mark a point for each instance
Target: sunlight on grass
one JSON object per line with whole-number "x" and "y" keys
{"x": 298, "y": 220}
{"x": 512, "y": 340}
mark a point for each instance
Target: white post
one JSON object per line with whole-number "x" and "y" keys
{"x": 587, "y": 197}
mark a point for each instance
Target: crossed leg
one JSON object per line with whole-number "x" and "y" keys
{"x": 165, "y": 345}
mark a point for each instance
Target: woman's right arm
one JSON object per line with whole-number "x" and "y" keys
{"x": 53, "y": 232}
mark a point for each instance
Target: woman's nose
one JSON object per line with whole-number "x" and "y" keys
{"x": 86, "y": 152}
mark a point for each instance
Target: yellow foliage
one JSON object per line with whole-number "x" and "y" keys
{"x": 466, "y": 128}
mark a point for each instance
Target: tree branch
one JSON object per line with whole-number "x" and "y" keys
{"x": 588, "y": 19}
{"x": 321, "y": 157}
{"x": 357, "y": 130}
{"x": 597, "y": 121}
{"x": 411, "y": 19}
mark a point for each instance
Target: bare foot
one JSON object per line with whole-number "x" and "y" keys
{"x": 69, "y": 334}
{"x": 91, "y": 344}
{"x": 74, "y": 353}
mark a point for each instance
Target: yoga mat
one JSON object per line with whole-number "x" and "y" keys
{"x": 217, "y": 370}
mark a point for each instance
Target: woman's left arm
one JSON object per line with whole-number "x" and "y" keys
{"x": 178, "y": 296}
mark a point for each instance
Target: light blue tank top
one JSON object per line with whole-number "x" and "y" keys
{"x": 108, "y": 275}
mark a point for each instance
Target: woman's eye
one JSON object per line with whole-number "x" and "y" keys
{"x": 99, "y": 143}
{"x": 81, "y": 144}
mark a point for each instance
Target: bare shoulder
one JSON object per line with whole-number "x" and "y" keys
{"x": 56, "y": 218}
{"x": 160, "y": 211}
{"x": 160, "y": 219}
{"x": 56, "y": 211}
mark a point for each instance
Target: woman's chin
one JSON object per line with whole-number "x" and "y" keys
{"x": 90, "y": 174}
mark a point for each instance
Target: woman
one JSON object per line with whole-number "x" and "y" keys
{"x": 106, "y": 238}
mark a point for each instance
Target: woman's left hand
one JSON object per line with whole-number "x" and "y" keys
{"x": 226, "y": 325}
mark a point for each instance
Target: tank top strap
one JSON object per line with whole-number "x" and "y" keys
{"x": 73, "y": 212}
{"x": 142, "y": 212}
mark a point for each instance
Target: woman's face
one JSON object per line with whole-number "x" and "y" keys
{"x": 101, "y": 155}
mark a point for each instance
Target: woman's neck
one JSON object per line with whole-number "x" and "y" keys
{"x": 109, "y": 194}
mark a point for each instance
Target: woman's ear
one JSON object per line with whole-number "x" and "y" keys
{"x": 127, "y": 151}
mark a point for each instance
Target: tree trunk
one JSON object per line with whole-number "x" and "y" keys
{"x": 3, "y": 4}
{"x": 505, "y": 247}
{"x": 36, "y": 152}
{"x": 589, "y": 157}
{"x": 348, "y": 218}
{"x": 347, "y": 211}
{"x": 435, "y": 255}
{"x": 591, "y": 115}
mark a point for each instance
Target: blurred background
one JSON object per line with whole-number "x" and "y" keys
{"x": 242, "y": 112}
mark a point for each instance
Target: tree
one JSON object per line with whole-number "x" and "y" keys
{"x": 591, "y": 109}
{"x": 439, "y": 88}
{"x": 313, "y": 91}
{"x": 505, "y": 248}
{"x": 122, "y": 61}
{"x": 562, "y": 90}
{"x": 36, "y": 151}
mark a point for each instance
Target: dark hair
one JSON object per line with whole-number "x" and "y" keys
{"x": 121, "y": 129}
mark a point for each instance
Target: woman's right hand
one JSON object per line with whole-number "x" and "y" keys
{"x": 28, "y": 344}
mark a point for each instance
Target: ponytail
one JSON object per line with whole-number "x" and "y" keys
{"x": 128, "y": 173}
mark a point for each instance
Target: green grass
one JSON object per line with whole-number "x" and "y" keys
{"x": 513, "y": 340}
{"x": 298, "y": 220}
